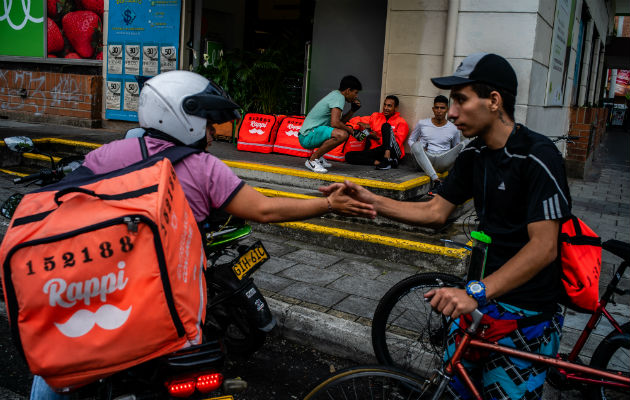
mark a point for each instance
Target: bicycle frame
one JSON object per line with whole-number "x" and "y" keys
{"x": 595, "y": 317}
{"x": 454, "y": 366}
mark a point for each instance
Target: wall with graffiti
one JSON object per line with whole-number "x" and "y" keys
{"x": 72, "y": 99}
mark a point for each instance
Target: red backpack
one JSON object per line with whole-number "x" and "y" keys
{"x": 581, "y": 257}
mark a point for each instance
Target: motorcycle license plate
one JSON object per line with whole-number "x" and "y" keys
{"x": 253, "y": 257}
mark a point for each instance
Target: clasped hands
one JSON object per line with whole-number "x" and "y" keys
{"x": 348, "y": 198}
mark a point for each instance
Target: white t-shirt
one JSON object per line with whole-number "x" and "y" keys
{"x": 438, "y": 138}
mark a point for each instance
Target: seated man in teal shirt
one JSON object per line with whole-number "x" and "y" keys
{"x": 324, "y": 127}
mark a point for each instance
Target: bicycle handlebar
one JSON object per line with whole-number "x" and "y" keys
{"x": 43, "y": 174}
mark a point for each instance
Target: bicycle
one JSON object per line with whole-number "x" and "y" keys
{"x": 407, "y": 333}
{"x": 619, "y": 381}
{"x": 386, "y": 382}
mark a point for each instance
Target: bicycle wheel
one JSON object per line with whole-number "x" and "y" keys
{"x": 406, "y": 332}
{"x": 374, "y": 383}
{"x": 612, "y": 354}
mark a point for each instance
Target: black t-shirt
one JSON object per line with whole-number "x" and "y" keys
{"x": 523, "y": 182}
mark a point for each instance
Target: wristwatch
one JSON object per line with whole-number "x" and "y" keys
{"x": 477, "y": 290}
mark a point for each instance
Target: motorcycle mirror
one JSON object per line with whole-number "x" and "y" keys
{"x": 19, "y": 144}
{"x": 8, "y": 207}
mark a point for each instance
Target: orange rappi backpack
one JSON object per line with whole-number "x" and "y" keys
{"x": 287, "y": 141}
{"x": 257, "y": 132}
{"x": 104, "y": 272}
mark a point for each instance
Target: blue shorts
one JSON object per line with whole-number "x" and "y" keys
{"x": 500, "y": 377}
{"x": 314, "y": 137}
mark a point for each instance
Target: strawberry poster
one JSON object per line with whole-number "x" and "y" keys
{"x": 142, "y": 41}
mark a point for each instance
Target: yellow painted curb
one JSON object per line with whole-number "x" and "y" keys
{"x": 40, "y": 157}
{"x": 68, "y": 142}
{"x": 8, "y": 171}
{"x": 403, "y": 186}
{"x": 278, "y": 193}
{"x": 329, "y": 177}
{"x": 384, "y": 240}
{"x": 63, "y": 141}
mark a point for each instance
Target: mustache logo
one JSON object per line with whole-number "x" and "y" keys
{"x": 81, "y": 322}
{"x": 292, "y": 133}
{"x": 258, "y": 131}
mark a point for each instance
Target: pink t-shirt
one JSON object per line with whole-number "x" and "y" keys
{"x": 207, "y": 182}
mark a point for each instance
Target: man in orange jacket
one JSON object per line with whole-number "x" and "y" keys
{"x": 388, "y": 132}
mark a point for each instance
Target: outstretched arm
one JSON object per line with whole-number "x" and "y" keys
{"x": 430, "y": 213}
{"x": 251, "y": 205}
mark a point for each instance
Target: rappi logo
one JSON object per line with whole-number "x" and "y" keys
{"x": 66, "y": 295}
{"x": 257, "y": 127}
{"x": 293, "y": 130}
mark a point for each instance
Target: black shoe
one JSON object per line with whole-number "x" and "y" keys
{"x": 435, "y": 186}
{"x": 385, "y": 164}
{"x": 393, "y": 162}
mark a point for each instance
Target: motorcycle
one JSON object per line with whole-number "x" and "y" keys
{"x": 238, "y": 317}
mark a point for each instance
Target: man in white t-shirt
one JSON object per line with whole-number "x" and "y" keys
{"x": 434, "y": 142}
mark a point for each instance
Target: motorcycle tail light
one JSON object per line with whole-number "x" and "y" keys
{"x": 181, "y": 388}
{"x": 209, "y": 382}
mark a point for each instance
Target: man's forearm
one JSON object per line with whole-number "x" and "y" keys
{"x": 341, "y": 125}
{"x": 426, "y": 213}
{"x": 346, "y": 117}
{"x": 537, "y": 254}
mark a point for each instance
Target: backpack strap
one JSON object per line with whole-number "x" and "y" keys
{"x": 579, "y": 238}
{"x": 576, "y": 225}
{"x": 143, "y": 148}
{"x": 174, "y": 153}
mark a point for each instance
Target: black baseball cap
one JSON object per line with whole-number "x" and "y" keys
{"x": 486, "y": 68}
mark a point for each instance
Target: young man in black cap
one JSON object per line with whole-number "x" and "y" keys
{"x": 520, "y": 191}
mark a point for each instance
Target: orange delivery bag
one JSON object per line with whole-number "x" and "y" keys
{"x": 104, "y": 272}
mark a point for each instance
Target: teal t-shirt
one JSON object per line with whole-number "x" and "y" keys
{"x": 320, "y": 114}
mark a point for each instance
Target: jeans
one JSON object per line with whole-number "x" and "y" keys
{"x": 431, "y": 163}
{"x": 41, "y": 391}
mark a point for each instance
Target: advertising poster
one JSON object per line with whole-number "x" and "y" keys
{"x": 22, "y": 28}
{"x": 558, "y": 60}
{"x": 147, "y": 34}
{"x": 114, "y": 59}
{"x": 112, "y": 95}
{"x": 132, "y": 93}
{"x": 132, "y": 59}
{"x": 622, "y": 85}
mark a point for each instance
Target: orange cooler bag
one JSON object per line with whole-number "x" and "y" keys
{"x": 257, "y": 133}
{"x": 103, "y": 272}
{"x": 287, "y": 141}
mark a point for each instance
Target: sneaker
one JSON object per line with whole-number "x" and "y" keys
{"x": 385, "y": 164}
{"x": 315, "y": 166}
{"x": 435, "y": 185}
{"x": 360, "y": 135}
{"x": 324, "y": 163}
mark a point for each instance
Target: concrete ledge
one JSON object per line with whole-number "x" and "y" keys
{"x": 417, "y": 257}
{"x": 52, "y": 119}
{"x": 324, "y": 332}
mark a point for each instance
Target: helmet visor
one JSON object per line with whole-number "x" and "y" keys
{"x": 213, "y": 104}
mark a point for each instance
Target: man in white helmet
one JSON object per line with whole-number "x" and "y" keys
{"x": 181, "y": 108}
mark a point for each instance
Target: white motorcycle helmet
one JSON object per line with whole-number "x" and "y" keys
{"x": 178, "y": 104}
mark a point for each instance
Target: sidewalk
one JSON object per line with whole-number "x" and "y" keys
{"x": 326, "y": 298}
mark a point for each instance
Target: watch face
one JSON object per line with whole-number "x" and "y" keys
{"x": 475, "y": 288}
